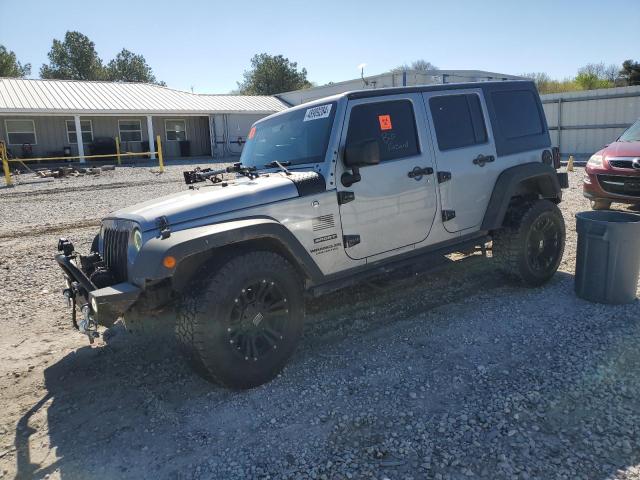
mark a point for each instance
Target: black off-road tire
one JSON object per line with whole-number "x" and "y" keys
{"x": 218, "y": 306}
{"x": 530, "y": 246}
{"x": 600, "y": 204}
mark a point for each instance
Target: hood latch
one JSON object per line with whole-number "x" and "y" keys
{"x": 163, "y": 226}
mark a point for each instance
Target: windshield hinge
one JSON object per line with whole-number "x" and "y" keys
{"x": 448, "y": 215}
{"x": 444, "y": 177}
{"x": 346, "y": 197}
{"x": 350, "y": 240}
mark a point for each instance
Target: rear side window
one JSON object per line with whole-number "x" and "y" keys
{"x": 458, "y": 121}
{"x": 517, "y": 113}
{"x": 391, "y": 124}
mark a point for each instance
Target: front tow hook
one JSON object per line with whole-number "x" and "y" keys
{"x": 70, "y": 297}
{"x": 87, "y": 324}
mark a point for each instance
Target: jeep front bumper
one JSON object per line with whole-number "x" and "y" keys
{"x": 105, "y": 304}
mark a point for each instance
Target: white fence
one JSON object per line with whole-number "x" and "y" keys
{"x": 581, "y": 123}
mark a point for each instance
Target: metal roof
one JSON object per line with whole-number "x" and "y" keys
{"x": 88, "y": 97}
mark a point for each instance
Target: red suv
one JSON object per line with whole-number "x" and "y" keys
{"x": 613, "y": 173}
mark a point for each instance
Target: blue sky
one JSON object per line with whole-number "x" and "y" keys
{"x": 208, "y": 44}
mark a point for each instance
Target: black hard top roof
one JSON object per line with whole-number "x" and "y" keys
{"x": 379, "y": 92}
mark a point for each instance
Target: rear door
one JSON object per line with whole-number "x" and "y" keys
{"x": 465, "y": 155}
{"x": 391, "y": 206}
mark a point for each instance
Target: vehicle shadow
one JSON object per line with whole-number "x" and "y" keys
{"x": 118, "y": 410}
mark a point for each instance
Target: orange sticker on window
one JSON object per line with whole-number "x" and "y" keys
{"x": 252, "y": 132}
{"x": 385, "y": 122}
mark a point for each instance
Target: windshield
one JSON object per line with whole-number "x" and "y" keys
{"x": 632, "y": 134}
{"x": 294, "y": 138}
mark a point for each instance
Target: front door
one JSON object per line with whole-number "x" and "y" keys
{"x": 394, "y": 203}
{"x": 465, "y": 155}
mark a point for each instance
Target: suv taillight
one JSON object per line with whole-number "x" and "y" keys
{"x": 555, "y": 151}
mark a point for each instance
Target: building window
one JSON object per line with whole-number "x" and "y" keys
{"x": 20, "y": 132}
{"x": 391, "y": 124}
{"x": 85, "y": 127}
{"x": 458, "y": 121}
{"x": 130, "y": 130}
{"x": 176, "y": 130}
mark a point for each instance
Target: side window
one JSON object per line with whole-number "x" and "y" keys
{"x": 458, "y": 121}
{"x": 391, "y": 124}
{"x": 517, "y": 113}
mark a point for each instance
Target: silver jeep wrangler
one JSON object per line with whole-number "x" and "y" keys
{"x": 325, "y": 194}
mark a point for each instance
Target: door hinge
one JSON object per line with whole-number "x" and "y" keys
{"x": 350, "y": 240}
{"x": 444, "y": 177}
{"x": 346, "y": 197}
{"x": 448, "y": 215}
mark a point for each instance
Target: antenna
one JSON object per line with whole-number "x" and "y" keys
{"x": 361, "y": 67}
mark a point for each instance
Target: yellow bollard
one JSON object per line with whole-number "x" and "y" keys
{"x": 118, "y": 150}
{"x": 5, "y": 164}
{"x": 570, "y": 164}
{"x": 160, "y": 160}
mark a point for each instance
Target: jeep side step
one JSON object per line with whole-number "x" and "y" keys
{"x": 427, "y": 256}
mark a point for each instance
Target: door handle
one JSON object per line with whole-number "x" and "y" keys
{"x": 480, "y": 160}
{"x": 418, "y": 172}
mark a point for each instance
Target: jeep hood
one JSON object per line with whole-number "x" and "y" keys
{"x": 208, "y": 200}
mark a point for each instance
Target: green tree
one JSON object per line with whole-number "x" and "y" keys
{"x": 75, "y": 58}
{"x": 630, "y": 72}
{"x": 418, "y": 65}
{"x": 595, "y": 75}
{"x": 130, "y": 67}
{"x": 545, "y": 84}
{"x": 271, "y": 74}
{"x": 10, "y": 66}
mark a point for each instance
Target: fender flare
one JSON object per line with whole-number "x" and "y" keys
{"x": 186, "y": 243}
{"x": 506, "y": 186}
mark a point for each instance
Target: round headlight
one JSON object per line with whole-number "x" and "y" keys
{"x": 94, "y": 305}
{"x": 137, "y": 239}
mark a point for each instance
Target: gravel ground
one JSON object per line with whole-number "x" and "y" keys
{"x": 446, "y": 375}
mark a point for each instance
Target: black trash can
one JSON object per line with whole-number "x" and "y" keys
{"x": 608, "y": 256}
{"x": 185, "y": 148}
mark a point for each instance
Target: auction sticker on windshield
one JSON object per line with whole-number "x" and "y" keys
{"x": 316, "y": 113}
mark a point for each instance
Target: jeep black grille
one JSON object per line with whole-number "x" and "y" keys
{"x": 620, "y": 185}
{"x": 116, "y": 244}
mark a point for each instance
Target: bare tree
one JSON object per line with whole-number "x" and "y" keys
{"x": 612, "y": 72}
{"x": 419, "y": 65}
{"x": 541, "y": 79}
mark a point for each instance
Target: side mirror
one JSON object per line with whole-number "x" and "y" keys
{"x": 366, "y": 152}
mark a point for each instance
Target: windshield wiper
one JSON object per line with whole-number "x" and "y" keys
{"x": 201, "y": 175}
{"x": 281, "y": 165}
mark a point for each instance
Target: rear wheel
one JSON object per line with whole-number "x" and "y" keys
{"x": 240, "y": 325}
{"x": 530, "y": 247}
{"x": 600, "y": 204}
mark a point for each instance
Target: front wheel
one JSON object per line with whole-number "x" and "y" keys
{"x": 530, "y": 247}
{"x": 240, "y": 325}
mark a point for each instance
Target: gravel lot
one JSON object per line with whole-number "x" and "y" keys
{"x": 446, "y": 375}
